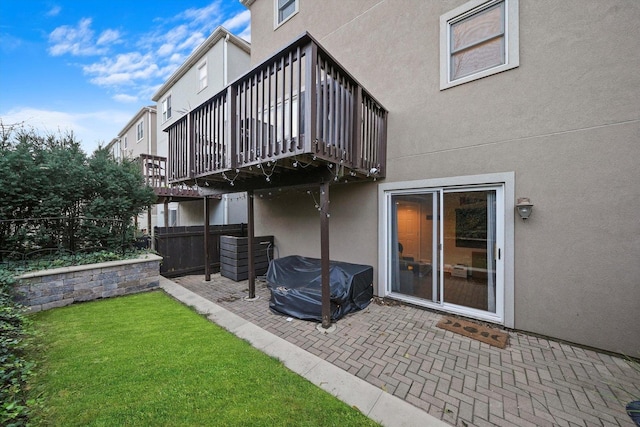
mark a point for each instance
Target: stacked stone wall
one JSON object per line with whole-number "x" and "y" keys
{"x": 42, "y": 290}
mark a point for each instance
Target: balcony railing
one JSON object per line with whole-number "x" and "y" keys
{"x": 154, "y": 170}
{"x": 297, "y": 112}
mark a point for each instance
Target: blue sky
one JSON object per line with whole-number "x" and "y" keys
{"x": 88, "y": 66}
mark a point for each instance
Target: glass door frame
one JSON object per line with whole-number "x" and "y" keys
{"x": 503, "y": 183}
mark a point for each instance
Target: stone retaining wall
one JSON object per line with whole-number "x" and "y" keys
{"x": 42, "y": 290}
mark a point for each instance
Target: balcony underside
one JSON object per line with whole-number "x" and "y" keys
{"x": 154, "y": 172}
{"x": 176, "y": 194}
{"x": 284, "y": 170}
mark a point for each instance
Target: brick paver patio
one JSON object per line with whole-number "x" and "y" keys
{"x": 533, "y": 382}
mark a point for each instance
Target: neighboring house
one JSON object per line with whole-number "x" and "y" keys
{"x": 138, "y": 137}
{"x": 460, "y": 109}
{"x": 115, "y": 149}
{"x": 221, "y": 58}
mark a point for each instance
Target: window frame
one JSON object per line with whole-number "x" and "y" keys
{"x": 140, "y": 131}
{"x": 202, "y": 66}
{"x": 276, "y": 13}
{"x": 465, "y": 11}
{"x": 166, "y": 108}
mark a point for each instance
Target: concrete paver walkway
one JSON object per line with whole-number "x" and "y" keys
{"x": 399, "y": 351}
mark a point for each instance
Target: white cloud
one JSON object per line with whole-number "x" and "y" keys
{"x": 192, "y": 42}
{"x": 170, "y": 40}
{"x": 152, "y": 56}
{"x": 166, "y": 49}
{"x": 126, "y": 99}
{"x": 246, "y": 34}
{"x": 79, "y": 40}
{"x": 10, "y": 43}
{"x": 54, "y": 11}
{"x": 241, "y": 20}
{"x": 176, "y": 34}
{"x": 91, "y": 128}
{"x": 108, "y": 37}
{"x": 125, "y": 69}
{"x": 205, "y": 14}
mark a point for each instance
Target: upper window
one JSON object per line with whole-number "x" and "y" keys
{"x": 139, "y": 131}
{"x": 125, "y": 141}
{"x": 202, "y": 75}
{"x": 478, "y": 39}
{"x": 285, "y": 9}
{"x": 166, "y": 108}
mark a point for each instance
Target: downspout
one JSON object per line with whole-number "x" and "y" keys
{"x": 225, "y": 78}
{"x": 149, "y": 132}
{"x": 224, "y": 61}
{"x": 225, "y": 209}
{"x": 151, "y": 230}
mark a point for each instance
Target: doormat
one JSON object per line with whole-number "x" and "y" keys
{"x": 475, "y": 331}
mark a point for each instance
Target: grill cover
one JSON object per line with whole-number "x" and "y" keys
{"x": 295, "y": 283}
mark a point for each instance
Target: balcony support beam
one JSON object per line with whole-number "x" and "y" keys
{"x": 324, "y": 255}
{"x": 207, "y": 252}
{"x": 166, "y": 212}
{"x": 250, "y": 247}
{"x": 149, "y": 220}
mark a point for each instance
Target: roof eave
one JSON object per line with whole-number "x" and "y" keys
{"x": 134, "y": 119}
{"x": 218, "y": 34}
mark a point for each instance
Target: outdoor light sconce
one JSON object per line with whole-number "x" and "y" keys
{"x": 524, "y": 207}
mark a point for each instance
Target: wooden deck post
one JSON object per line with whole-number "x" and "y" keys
{"x": 207, "y": 254}
{"x": 149, "y": 220}
{"x": 250, "y": 249}
{"x": 149, "y": 228}
{"x": 324, "y": 254}
{"x": 166, "y": 212}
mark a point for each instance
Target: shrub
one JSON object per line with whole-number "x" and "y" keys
{"x": 15, "y": 368}
{"x": 55, "y": 196}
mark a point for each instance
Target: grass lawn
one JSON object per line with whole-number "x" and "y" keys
{"x": 147, "y": 360}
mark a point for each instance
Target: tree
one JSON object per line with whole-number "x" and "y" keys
{"x": 47, "y": 177}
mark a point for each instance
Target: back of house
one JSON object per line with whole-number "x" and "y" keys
{"x": 488, "y": 102}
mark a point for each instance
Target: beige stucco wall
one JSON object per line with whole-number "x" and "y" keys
{"x": 295, "y": 222}
{"x": 566, "y": 121}
{"x": 232, "y": 209}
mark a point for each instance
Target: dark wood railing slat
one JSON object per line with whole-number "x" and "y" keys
{"x": 300, "y": 101}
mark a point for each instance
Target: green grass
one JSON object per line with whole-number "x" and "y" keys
{"x": 147, "y": 360}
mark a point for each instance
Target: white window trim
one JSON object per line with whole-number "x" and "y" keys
{"x": 512, "y": 40}
{"x": 162, "y": 111}
{"x": 277, "y": 24}
{"x": 202, "y": 65}
{"x": 141, "y": 125}
{"x": 505, "y": 178}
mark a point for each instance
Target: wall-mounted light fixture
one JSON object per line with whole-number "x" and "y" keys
{"x": 524, "y": 207}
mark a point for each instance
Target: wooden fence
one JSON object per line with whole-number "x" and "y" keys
{"x": 182, "y": 248}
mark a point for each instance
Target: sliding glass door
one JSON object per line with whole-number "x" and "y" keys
{"x": 446, "y": 249}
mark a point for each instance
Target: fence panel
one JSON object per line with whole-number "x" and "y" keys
{"x": 182, "y": 248}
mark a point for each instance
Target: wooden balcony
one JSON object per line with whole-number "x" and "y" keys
{"x": 297, "y": 118}
{"x": 154, "y": 170}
